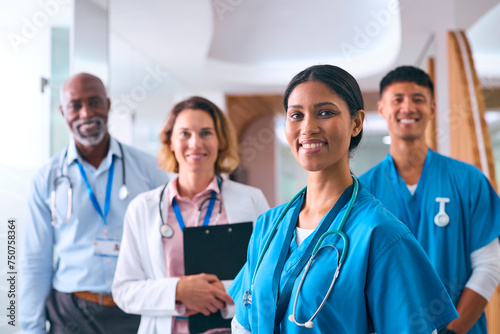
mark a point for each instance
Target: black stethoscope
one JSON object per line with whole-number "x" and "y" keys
{"x": 122, "y": 194}
{"x": 167, "y": 231}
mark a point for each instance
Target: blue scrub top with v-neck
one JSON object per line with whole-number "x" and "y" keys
{"x": 473, "y": 210}
{"x": 387, "y": 283}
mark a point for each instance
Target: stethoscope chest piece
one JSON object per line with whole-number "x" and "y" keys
{"x": 166, "y": 231}
{"x": 247, "y": 298}
{"x": 123, "y": 193}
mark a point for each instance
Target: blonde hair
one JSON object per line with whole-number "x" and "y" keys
{"x": 227, "y": 159}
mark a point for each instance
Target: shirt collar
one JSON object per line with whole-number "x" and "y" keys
{"x": 72, "y": 155}
{"x": 173, "y": 192}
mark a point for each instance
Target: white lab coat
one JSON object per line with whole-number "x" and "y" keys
{"x": 140, "y": 285}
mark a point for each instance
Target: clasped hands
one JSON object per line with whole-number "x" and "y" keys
{"x": 202, "y": 293}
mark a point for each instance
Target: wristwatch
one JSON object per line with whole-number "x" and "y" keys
{"x": 447, "y": 331}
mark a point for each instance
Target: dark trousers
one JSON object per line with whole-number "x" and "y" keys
{"x": 69, "y": 314}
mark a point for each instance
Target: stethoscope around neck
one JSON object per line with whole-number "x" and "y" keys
{"x": 122, "y": 194}
{"x": 167, "y": 231}
{"x": 247, "y": 297}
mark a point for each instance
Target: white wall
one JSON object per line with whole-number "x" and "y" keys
{"x": 24, "y": 115}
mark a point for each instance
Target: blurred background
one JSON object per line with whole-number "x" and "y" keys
{"x": 238, "y": 53}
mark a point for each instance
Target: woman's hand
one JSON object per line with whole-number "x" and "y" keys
{"x": 202, "y": 293}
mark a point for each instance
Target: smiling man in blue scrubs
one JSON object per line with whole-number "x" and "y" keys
{"x": 450, "y": 206}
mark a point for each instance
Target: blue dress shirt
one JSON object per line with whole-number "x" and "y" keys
{"x": 62, "y": 256}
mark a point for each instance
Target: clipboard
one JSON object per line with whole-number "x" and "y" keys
{"x": 220, "y": 250}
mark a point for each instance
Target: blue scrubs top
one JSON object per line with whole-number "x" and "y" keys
{"x": 386, "y": 285}
{"x": 473, "y": 210}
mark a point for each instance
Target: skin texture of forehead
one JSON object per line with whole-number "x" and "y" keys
{"x": 80, "y": 79}
{"x": 409, "y": 82}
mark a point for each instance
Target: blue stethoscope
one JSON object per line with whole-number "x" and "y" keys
{"x": 247, "y": 297}
{"x": 122, "y": 194}
{"x": 167, "y": 231}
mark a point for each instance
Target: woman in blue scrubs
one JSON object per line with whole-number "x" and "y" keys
{"x": 385, "y": 283}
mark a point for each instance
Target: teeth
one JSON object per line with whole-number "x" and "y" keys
{"x": 88, "y": 124}
{"x": 407, "y": 121}
{"x": 314, "y": 145}
{"x": 88, "y": 127}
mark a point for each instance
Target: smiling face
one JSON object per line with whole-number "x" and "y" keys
{"x": 85, "y": 107}
{"x": 319, "y": 127}
{"x": 407, "y": 108}
{"x": 194, "y": 141}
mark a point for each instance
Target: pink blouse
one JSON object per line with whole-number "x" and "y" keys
{"x": 173, "y": 247}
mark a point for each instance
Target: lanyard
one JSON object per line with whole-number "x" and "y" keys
{"x": 208, "y": 215}
{"x": 411, "y": 222}
{"x": 92, "y": 197}
{"x": 284, "y": 297}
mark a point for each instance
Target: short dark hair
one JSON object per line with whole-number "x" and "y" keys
{"x": 407, "y": 74}
{"x": 337, "y": 79}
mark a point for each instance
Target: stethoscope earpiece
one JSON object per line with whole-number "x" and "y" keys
{"x": 308, "y": 324}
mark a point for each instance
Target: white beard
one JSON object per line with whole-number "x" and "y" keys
{"x": 92, "y": 136}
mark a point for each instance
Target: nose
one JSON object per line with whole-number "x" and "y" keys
{"x": 85, "y": 111}
{"x": 194, "y": 140}
{"x": 407, "y": 105}
{"x": 309, "y": 125}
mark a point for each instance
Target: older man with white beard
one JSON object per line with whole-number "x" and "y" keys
{"x": 76, "y": 207}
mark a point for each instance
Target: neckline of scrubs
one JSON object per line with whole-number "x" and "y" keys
{"x": 283, "y": 299}
{"x": 397, "y": 183}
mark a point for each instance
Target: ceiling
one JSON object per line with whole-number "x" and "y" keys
{"x": 238, "y": 46}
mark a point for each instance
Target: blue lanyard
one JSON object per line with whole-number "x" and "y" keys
{"x": 208, "y": 215}
{"x": 284, "y": 298}
{"x": 411, "y": 222}
{"x": 109, "y": 185}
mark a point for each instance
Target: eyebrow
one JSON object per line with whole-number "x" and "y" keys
{"x": 412, "y": 95}
{"x": 202, "y": 129}
{"x": 91, "y": 98}
{"x": 317, "y": 105}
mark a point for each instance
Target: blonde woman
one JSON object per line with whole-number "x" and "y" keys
{"x": 198, "y": 143}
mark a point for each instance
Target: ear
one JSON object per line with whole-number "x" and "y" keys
{"x": 221, "y": 146}
{"x": 433, "y": 109}
{"x": 61, "y": 109}
{"x": 358, "y": 122}
{"x": 380, "y": 108}
{"x": 109, "y": 104}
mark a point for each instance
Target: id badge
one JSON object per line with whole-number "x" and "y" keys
{"x": 106, "y": 247}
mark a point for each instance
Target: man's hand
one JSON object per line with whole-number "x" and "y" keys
{"x": 470, "y": 307}
{"x": 202, "y": 293}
